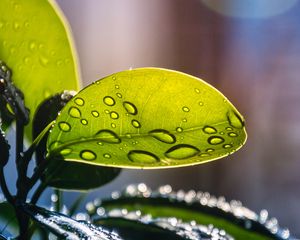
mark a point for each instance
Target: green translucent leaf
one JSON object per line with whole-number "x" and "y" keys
{"x": 62, "y": 174}
{"x": 147, "y": 118}
{"x": 66, "y": 227}
{"x": 36, "y": 45}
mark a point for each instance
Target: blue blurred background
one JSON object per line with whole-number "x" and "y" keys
{"x": 249, "y": 50}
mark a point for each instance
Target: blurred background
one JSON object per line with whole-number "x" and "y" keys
{"x": 250, "y": 50}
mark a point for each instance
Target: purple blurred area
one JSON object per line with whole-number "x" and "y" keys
{"x": 249, "y": 50}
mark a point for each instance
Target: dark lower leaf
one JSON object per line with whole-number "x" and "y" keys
{"x": 60, "y": 174}
{"x": 237, "y": 220}
{"x": 66, "y": 227}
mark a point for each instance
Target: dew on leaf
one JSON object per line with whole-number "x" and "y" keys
{"x": 185, "y": 109}
{"x": 232, "y": 134}
{"x": 107, "y": 136}
{"x": 117, "y": 86}
{"x": 182, "y": 151}
{"x": 204, "y": 155}
{"x": 32, "y": 46}
{"x": 64, "y": 126}
{"x": 214, "y": 140}
{"x": 109, "y": 101}
{"x": 65, "y": 151}
{"x": 114, "y": 115}
{"x": 74, "y": 112}
{"x": 88, "y": 155}
{"x": 210, "y": 150}
{"x": 197, "y": 90}
{"x": 79, "y": 101}
{"x": 119, "y": 95}
{"x": 84, "y": 121}
{"x": 130, "y": 108}
{"x": 235, "y": 120}
{"x": 135, "y": 123}
{"x": 229, "y": 129}
{"x": 128, "y": 135}
{"x": 227, "y": 146}
{"x": 100, "y": 143}
{"x": 95, "y": 113}
{"x": 163, "y": 136}
{"x": 201, "y": 104}
{"x": 142, "y": 157}
{"x": 113, "y": 125}
{"x": 209, "y": 130}
{"x": 44, "y": 61}
{"x": 106, "y": 155}
{"x": 179, "y": 129}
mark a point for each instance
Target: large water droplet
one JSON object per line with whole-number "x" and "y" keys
{"x": 135, "y": 123}
{"x": 88, "y": 155}
{"x": 209, "y": 130}
{"x": 79, "y": 101}
{"x": 163, "y": 136}
{"x": 66, "y": 151}
{"x": 74, "y": 112}
{"x": 84, "y": 121}
{"x": 235, "y": 120}
{"x": 109, "y": 101}
{"x": 130, "y": 108}
{"x": 185, "y": 109}
{"x": 214, "y": 140}
{"x": 182, "y": 151}
{"x": 107, "y": 136}
{"x": 142, "y": 157}
{"x": 64, "y": 126}
{"x": 95, "y": 113}
{"x": 114, "y": 115}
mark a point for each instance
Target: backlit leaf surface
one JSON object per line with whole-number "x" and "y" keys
{"x": 36, "y": 45}
{"x": 147, "y": 118}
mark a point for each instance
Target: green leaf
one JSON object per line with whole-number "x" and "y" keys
{"x": 147, "y": 118}
{"x": 66, "y": 227}
{"x": 66, "y": 175}
{"x": 8, "y": 220}
{"x": 36, "y": 45}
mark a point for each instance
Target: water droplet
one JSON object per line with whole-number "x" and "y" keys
{"x": 185, "y": 109}
{"x": 182, "y": 151}
{"x": 117, "y": 86}
{"x": 222, "y": 133}
{"x": 135, "y": 123}
{"x": 232, "y": 134}
{"x": 114, "y": 115}
{"x": 12, "y": 50}
{"x": 201, "y": 104}
{"x": 44, "y": 61}
{"x": 100, "y": 143}
{"x": 179, "y": 129}
{"x": 210, "y": 150}
{"x": 209, "y": 130}
{"x": 26, "y": 60}
{"x": 109, "y": 101}
{"x": 130, "y": 108}
{"x": 95, "y": 113}
{"x": 106, "y": 155}
{"x": 16, "y": 26}
{"x": 26, "y": 24}
{"x": 108, "y": 136}
{"x": 114, "y": 78}
{"x": 214, "y": 140}
{"x": 106, "y": 111}
{"x": 32, "y": 46}
{"x": 229, "y": 129}
{"x": 204, "y": 155}
{"x": 225, "y": 100}
{"x": 235, "y": 120}
{"x": 74, "y": 112}
{"x": 84, "y": 121}
{"x": 113, "y": 125}
{"x": 66, "y": 151}
{"x": 64, "y": 126}
{"x": 163, "y": 136}
{"x": 227, "y": 146}
{"x": 88, "y": 155}
{"x": 79, "y": 101}
{"x": 197, "y": 90}
{"x": 128, "y": 135}
{"x": 119, "y": 95}
{"x": 52, "y": 53}
{"x": 142, "y": 157}
{"x": 184, "y": 120}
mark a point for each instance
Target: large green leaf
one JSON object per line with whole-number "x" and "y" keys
{"x": 36, "y": 44}
{"x": 8, "y": 220}
{"x": 147, "y": 118}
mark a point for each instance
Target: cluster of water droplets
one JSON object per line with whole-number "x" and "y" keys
{"x": 247, "y": 218}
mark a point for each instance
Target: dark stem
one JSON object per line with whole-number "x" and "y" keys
{"x": 59, "y": 200}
